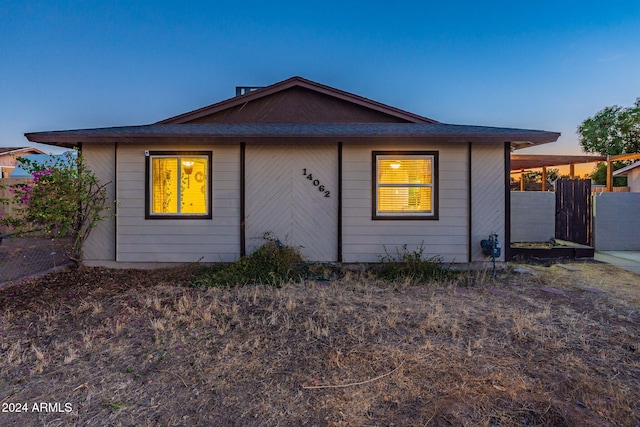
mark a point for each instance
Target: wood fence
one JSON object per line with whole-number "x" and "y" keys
{"x": 614, "y": 189}
{"x": 573, "y": 210}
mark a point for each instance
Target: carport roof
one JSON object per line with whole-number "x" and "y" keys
{"x": 533, "y": 161}
{"x": 347, "y": 132}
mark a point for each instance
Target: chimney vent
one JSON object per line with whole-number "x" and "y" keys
{"x": 241, "y": 90}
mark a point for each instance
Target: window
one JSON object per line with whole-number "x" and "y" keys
{"x": 178, "y": 185}
{"x": 405, "y": 185}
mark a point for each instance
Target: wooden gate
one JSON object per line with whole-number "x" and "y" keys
{"x": 573, "y": 210}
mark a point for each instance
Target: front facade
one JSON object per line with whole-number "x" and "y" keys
{"x": 341, "y": 177}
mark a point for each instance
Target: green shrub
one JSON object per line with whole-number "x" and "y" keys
{"x": 272, "y": 263}
{"x": 406, "y": 265}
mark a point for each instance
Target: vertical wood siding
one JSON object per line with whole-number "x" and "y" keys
{"x": 178, "y": 240}
{"x": 488, "y": 196}
{"x": 365, "y": 240}
{"x": 101, "y": 245}
{"x": 281, "y": 200}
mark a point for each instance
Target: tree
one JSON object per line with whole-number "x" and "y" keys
{"x": 613, "y": 130}
{"x": 64, "y": 199}
{"x": 599, "y": 174}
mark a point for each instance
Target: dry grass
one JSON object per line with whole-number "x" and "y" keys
{"x": 133, "y": 348}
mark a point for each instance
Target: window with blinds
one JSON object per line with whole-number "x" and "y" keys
{"x": 179, "y": 185}
{"x": 404, "y": 185}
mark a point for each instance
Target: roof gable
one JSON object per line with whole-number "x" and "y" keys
{"x": 14, "y": 151}
{"x": 627, "y": 169}
{"x": 298, "y": 100}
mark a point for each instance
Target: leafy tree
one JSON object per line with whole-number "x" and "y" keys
{"x": 613, "y": 130}
{"x": 65, "y": 198}
{"x": 599, "y": 174}
{"x": 531, "y": 177}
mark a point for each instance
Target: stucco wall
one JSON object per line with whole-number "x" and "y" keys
{"x": 533, "y": 216}
{"x": 616, "y": 223}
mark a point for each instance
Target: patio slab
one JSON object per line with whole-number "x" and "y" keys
{"x": 628, "y": 260}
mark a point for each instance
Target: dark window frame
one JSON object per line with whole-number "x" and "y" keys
{"x": 409, "y": 216}
{"x": 147, "y": 185}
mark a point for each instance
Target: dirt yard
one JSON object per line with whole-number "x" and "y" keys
{"x": 25, "y": 256}
{"x": 558, "y": 346}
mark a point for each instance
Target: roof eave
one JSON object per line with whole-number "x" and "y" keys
{"x": 73, "y": 140}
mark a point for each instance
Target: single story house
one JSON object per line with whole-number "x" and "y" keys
{"x": 9, "y": 158}
{"x": 342, "y": 177}
{"x": 632, "y": 172}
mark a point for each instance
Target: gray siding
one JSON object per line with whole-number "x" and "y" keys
{"x": 365, "y": 240}
{"x": 100, "y": 245}
{"x": 178, "y": 240}
{"x": 533, "y": 216}
{"x": 282, "y": 200}
{"x": 616, "y": 222}
{"x": 488, "y": 196}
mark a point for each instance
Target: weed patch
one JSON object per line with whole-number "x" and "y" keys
{"x": 412, "y": 266}
{"x": 272, "y": 264}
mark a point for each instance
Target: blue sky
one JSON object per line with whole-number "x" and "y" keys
{"x": 537, "y": 65}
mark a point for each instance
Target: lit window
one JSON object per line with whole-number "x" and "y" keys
{"x": 179, "y": 185}
{"x": 405, "y": 185}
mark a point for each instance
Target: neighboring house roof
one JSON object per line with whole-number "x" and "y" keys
{"x": 301, "y": 109}
{"x": 12, "y": 150}
{"x": 625, "y": 170}
{"x": 19, "y": 172}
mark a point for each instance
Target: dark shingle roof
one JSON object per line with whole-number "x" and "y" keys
{"x": 346, "y": 132}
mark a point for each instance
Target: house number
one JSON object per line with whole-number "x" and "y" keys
{"x": 316, "y": 183}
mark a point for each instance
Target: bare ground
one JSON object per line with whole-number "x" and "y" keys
{"x": 559, "y": 347}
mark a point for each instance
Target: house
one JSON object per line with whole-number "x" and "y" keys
{"x": 632, "y": 172}
{"x": 42, "y": 159}
{"x": 9, "y": 158}
{"x": 342, "y": 177}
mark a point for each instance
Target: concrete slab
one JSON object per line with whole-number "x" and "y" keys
{"x": 628, "y": 260}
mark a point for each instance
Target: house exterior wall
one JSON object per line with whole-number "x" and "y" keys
{"x": 365, "y": 239}
{"x": 8, "y": 161}
{"x": 100, "y": 245}
{"x": 633, "y": 180}
{"x": 616, "y": 224}
{"x": 487, "y": 197}
{"x": 178, "y": 240}
{"x": 533, "y": 216}
{"x": 292, "y": 193}
{"x": 130, "y": 238}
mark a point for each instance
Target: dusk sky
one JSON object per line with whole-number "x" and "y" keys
{"x": 536, "y": 65}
